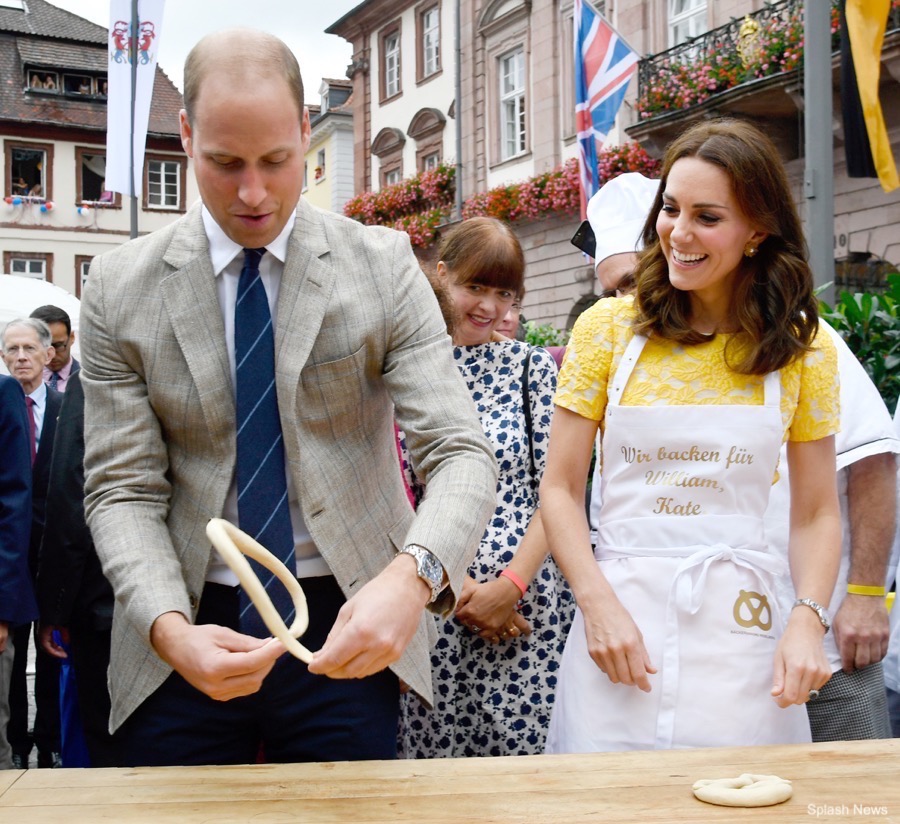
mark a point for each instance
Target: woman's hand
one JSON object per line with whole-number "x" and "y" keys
{"x": 800, "y": 661}
{"x": 616, "y": 645}
{"x": 489, "y": 610}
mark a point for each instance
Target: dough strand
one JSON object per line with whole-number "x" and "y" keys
{"x": 233, "y": 545}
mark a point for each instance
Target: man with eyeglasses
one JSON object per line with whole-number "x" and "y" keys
{"x": 62, "y": 365}
{"x": 26, "y": 351}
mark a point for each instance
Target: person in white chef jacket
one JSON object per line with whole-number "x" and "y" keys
{"x": 852, "y": 705}
{"x": 679, "y": 640}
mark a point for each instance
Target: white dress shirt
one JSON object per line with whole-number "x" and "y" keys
{"x": 227, "y": 261}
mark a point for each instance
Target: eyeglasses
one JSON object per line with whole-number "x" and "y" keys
{"x": 60, "y": 345}
{"x": 625, "y": 286}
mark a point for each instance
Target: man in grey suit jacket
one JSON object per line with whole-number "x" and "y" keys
{"x": 359, "y": 342}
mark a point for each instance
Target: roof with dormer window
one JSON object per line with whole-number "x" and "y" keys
{"x": 45, "y": 20}
{"x": 40, "y": 36}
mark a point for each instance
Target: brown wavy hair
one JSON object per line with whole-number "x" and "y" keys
{"x": 773, "y": 307}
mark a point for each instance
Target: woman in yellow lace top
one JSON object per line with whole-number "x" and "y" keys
{"x": 695, "y": 383}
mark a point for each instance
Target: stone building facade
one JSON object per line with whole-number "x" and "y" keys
{"x": 516, "y": 114}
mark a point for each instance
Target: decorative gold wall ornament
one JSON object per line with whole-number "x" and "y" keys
{"x": 748, "y": 42}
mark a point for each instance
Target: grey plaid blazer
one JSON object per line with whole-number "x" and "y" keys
{"x": 359, "y": 342}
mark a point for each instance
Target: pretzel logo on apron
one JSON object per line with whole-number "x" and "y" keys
{"x": 757, "y": 605}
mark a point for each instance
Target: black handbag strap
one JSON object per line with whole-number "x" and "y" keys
{"x": 526, "y": 400}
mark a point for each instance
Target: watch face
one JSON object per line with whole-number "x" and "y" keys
{"x": 431, "y": 567}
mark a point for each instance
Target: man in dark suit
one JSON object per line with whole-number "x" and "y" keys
{"x": 63, "y": 364}
{"x": 74, "y": 596}
{"x": 26, "y": 351}
{"x": 17, "y": 604}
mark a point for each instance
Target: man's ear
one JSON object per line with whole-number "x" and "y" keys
{"x": 305, "y": 130}
{"x": 186, "y": 133}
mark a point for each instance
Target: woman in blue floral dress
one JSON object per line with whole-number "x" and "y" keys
{"x": 495, "y": 664}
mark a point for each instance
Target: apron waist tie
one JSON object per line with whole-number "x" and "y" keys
{"x": 686, "y": 594}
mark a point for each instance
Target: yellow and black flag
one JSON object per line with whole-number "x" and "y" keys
{"x": 868, "y": 148}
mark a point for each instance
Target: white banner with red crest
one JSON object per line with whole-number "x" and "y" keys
{"x": 130, "y": 44}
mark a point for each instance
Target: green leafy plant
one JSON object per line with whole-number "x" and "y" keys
{"x": 545, "y": 334}
{"x": 870, "y": 325}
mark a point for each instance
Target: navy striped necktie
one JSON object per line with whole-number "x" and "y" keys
{"x": 261, "y": 480}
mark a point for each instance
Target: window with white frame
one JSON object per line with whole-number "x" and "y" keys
{"x": 164, "y": 184}
{"x": 392, "y": 64}
{"x": 431, "y": 41}
{"x": 512, "y": 104}
{"x": 392, "y": 177}
{"x": 82, "y": 266}
{"x": 687, "y": 19}
{"x": 27, "y": 264}
{"x": 320, "y": 164}
{"x": 431, "y": 161}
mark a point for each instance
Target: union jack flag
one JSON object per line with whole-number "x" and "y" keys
{"x": 604, "y": 64}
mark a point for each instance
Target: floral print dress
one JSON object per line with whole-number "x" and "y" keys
{"x": 496, "y": 699}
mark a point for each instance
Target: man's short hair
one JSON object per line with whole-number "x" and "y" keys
{"x": 53, "y": 314}
{"x": 43, "y": 331}
{"x": 256, "y": 52}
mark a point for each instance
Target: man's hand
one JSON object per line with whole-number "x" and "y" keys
{"x": 861, "y": 626}
{"x": 45, "y": 638}
{"x": 216, "y": 660}
{"x": 862, "y": 630}
{"x": 375, "y": 625}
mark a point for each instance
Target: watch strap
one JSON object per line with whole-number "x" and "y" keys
{"x": 428, "y": 568}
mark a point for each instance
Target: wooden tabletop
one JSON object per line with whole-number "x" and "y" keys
{"x": 848, "y": 781}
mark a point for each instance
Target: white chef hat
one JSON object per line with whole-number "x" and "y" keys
{"x": 617, "y": 213}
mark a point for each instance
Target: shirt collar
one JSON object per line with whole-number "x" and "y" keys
{"x": 63, "y": 373}
{"x": 39, "y": 396}
{"x": 223, "y": 250}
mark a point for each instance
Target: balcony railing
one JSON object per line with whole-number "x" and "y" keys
{"x": 765, "y": 43}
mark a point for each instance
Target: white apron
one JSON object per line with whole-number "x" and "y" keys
{"x": 681, "y": 542}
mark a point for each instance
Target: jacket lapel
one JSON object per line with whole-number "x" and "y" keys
{"x": 190, "y": 298}
{"x": 302, "y": 301}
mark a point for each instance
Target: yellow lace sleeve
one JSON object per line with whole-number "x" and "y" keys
{"x": 597, "y": 339}
{"x": 818, "y": 412}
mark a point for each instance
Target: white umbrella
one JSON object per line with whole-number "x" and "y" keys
{"x": 20, "y": 296}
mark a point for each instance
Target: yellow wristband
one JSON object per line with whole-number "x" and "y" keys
{"x": 860, "y": 589}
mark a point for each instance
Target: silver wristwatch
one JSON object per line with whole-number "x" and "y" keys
{"x": 816, "y": 608}
{"x": 428, "y": 567}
